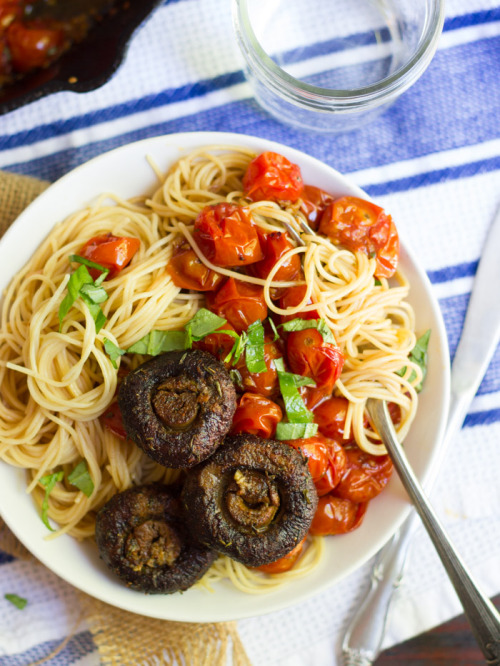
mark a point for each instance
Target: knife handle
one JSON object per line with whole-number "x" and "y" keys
{"x": 363, "y": 639}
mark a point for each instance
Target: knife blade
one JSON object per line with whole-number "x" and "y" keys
{"x": 478, "y": 342}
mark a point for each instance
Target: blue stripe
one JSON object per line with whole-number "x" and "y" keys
{"x": 453, "y": 272}
{"x": 433, "y": 177}
{"x": 79, "y": 646}
{"x": 411, "y": 128}
{"x": 453, "y": 310}
{"x": 361, "y": 39}
{"x": 475, "y": 18}
{"x": 482, "y": 418}
{"x": 5, "y": 558}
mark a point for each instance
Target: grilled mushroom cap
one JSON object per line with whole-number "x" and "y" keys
{"x": 178, "y": 406}
{"x": 253, "y": 500}
{"x": 142, "y": 538}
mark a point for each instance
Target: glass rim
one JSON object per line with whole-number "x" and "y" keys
{"x": 315, "y": 96}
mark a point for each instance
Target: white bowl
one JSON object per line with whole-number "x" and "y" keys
{"x": 126, "y": 172}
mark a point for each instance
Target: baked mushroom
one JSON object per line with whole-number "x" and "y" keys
{"x": 142, "y": 538}
{"x": 253, "y": 500}
{"x": 178, "y": 406}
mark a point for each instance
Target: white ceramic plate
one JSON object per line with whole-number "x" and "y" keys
{"x": 126, "y": 172}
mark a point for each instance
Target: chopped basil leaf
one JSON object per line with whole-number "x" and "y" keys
{"x": 254, "y": 351}
{"x": 295, "y": 430}
{"x": 238, "y": 346}
{"x": 97, "y": 314}
{"x": 295, "y": 407}
{"x": 377, "y": 282}
{"x": 81, "y": 284}
{"x": 76, "y": 258}
{"x": 95, "y": 293}
{"x": 419, "y": 356}
{"x": 15, "y": 600}
{"x": 274, "y": 329}
{"x": 80, "y": 478}
{"x": 203, "y": 323}
{"x": 326, "y": 331}
{"x": 301, "y": 324}
{"x": 113, "y": 351}
{"x": 157, "y": 342}
{"x": 48, "y": 482}
{"x": 76, "y": 281}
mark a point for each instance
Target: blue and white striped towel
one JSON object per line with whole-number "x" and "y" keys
{"x": 432, "y": 160}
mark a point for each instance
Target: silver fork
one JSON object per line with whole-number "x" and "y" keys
{"x": 479, "y": 339}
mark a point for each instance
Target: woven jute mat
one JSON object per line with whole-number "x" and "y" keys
{"x": 122, "y": 638}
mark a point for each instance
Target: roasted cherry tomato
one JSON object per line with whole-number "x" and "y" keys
{"x": 286, "y": 562}
{"x": 10, "y": 11}
{"x": 218, "y": 344}
{"x": 188, "y": 272}
{"x": 112, "y": 252}
{"x": 292, "y": 297}
{"x": 32, "y": 46}
{"x": 274, "y": 246}
{"x": 337, "y": 465}
{"x": 330, "y": 416}
{"x": 226, "y": 236}
{"x": 240, "y": 303}
{"x": 314, "y": 202}
{"x": 336, "y": 516}
{"x": 264, "y": 383}
{"x": 309, "y": 355}
{"x": 315, "y": 449}
{"x": 272, "y": 177}
{"x": 256, "y": 415}
{"x": 360, "y": 225}
{"x": 112, "y": 420}
{"x": 365, "y": 477}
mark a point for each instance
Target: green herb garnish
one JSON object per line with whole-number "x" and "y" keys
{"x": 113, "y": 351}
{"x": 157, "y": 342}
{"x": 80, "y": 478}
{"x": 203, "y": 323}
{"x": 48, "y": 482}
{"x": 81, "y": 285}
{"x": 419, "y": 356}
{"x": 295, "y": 430}
{"x": 15, "y": 600}
{"x": 254, "y": 351}
{"x": 302, "y": 324}
{"x": 295, "y": 407}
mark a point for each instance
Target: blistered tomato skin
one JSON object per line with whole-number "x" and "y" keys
{"x": 314, "y": 203}
{"x": 362, "y": 226}
{"x": 112, "y": 252}
{"x": 274, "y": 246}
{"x": 240, "y": 303}
{"x": 272, "y": 177}
{"x": 226, "y": 236}
{"x": 256, "y": 415}
{"x": 336, "y": 516}
{"x": 309, "y": 355}
{"x": 189, "y": 272}
{"x": 365, "y": 477}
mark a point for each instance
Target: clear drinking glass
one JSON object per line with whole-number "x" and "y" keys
{"x": 333, "y": 65}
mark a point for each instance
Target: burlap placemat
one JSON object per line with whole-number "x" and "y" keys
{"x": 122, "y": 638}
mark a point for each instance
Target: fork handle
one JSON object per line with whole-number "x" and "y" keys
{"x": 483, "y": 617}
{"x": 363, "y": 639}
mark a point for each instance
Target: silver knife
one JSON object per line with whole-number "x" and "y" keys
{"x": 479, "y": 339}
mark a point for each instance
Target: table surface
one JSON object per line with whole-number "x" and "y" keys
{"x": 450, "y": 643}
